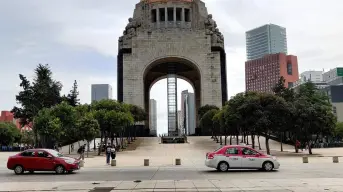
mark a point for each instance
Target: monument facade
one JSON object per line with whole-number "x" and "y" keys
{"x": 176, "y": 37}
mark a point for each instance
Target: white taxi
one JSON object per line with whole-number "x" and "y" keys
{"x": 240, "y": 157}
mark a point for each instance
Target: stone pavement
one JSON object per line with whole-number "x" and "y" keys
{"x": 275, "y": 185}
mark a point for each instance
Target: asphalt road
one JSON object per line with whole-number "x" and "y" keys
{"x": 300, "y": 171}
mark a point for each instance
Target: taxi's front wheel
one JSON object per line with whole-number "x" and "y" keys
{"x": 268, "y": 166}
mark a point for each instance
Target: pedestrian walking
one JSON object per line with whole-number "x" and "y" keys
{"x": 81, "y": 152}
{"x": 108, "y": 153}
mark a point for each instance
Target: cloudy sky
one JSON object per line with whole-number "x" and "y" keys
{"x": 78, "y": 39}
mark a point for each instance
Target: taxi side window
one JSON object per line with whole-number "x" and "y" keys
{"x": 247, "y": 151}
{"x": 42, "y": 154}
{"x": 232, "y": 151}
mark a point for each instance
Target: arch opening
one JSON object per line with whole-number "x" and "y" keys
{"x": 185, "y": 71}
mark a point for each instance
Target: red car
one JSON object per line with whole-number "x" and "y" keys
{"x": 42, "y": 160}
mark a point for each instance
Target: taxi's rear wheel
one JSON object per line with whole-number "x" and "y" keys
{"x": 223, "y": 166}
{"x": 268, "y": 166}
{"x": 18, "y": 169}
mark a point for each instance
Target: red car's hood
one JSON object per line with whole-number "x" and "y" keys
{"x": 68, "y": 158}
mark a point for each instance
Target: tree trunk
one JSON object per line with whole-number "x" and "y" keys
{"x": 281, "y": 141}
{"x": 230, "y": 139}
{"x": 253, "y": 141}
{"x": 100, "y": 145}
{"x": 129, "y": 136}
{"x": 243, "y": 138}
{"x": 309, "y": 148}
{"x": 94, "y": 144}
{"x": 295, "y": 144}
{"x": 88, "y": 148}
{"x": 225, "y": 140}
{"x": 259, "y": 144}
{"x": 247, "y": 138}
{"x": 267, "y": 144}
{"x": 237, "y": 140}
{"x": 221, "y": 140}
{"x": 135, "y": 127}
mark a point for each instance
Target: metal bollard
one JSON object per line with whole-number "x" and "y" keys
{"x": 335, "y": 159}
{"x": 146, "y": 162}
{"x": 113, "y": 162}
{"x": 177, "y": 161}
{"x": 305, "y": 159}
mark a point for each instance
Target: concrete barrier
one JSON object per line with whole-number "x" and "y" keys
{"x": 305, "y": 159}
{"x": 146, "y": 162}
{"x": 113, "y": 162}
{"x": 177, "y": 161}
{"x": 82, "y": 163}
{"x": 335, "y": 159}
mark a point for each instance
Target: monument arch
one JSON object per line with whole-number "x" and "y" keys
{"x": 173, "y": 39}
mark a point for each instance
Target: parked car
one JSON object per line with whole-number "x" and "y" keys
{"x": 240, "y": 157}
{"x": 42, "y": 160}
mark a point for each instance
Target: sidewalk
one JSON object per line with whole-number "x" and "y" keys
{"x": 310, "y": 185}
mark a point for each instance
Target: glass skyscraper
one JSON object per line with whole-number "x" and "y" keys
{"x": 267, "y": 39}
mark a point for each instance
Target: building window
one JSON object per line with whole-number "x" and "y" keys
{"x": 162, "y": 14}
{"x": 154, "y": 15}
{"x": 334, "y": 110}
{"x": 187, "y": 15}
{"x": 290, "y": 84}
{"x": 170, "y": 12}
{"x": 289, "y": 69}
{"x": 178, "y": 14}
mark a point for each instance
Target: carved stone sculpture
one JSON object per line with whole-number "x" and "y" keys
{"x": 210, "y": 24}
{"x": 130, "y": 29}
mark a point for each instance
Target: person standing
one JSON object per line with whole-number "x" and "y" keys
{"x": 108, "y": 153}
{"x": 113, "y": 152}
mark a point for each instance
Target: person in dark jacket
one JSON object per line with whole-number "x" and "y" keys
{"x": 108, "y": 153}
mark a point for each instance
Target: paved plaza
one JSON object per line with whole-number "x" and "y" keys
{"x": 320, "y": 174}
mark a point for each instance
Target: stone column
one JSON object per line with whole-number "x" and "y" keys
{"x": 174, "y": 19}
{"x": 183, "y": 18}
{"x": 158, "y": 17}
{"x": 166, "y": 17}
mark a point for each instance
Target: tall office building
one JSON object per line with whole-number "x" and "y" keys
{"x": 264, "y": 40}
{"x": 188, "y": 112}
{"x": 179, "y": 122}
{"x": 261, "y": 75}
{"x": 153, "y": 117}
{"x": 101, "y": 91}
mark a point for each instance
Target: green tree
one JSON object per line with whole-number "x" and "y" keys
{"x": 43, "y": 92}
{"x": 312, "y": 115}
{"x": 27, "y": 137}
{"x": 9, "y": 134}
{"x": 48, "y": 127}
{"x": 204, "y": 109}
{"x": 72, "y": 97}
{"x": 88, "y": 128}
{"x": 113, "y": 117}
{"x": 139, "y": 115}
{"x": 219, "y": 126}
{"x": 206, "y": 122}
{"x": 338, "y": 133}
{"x": 68, "y": 117}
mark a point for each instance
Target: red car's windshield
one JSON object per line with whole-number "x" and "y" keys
{"x": 54, "y": 153}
